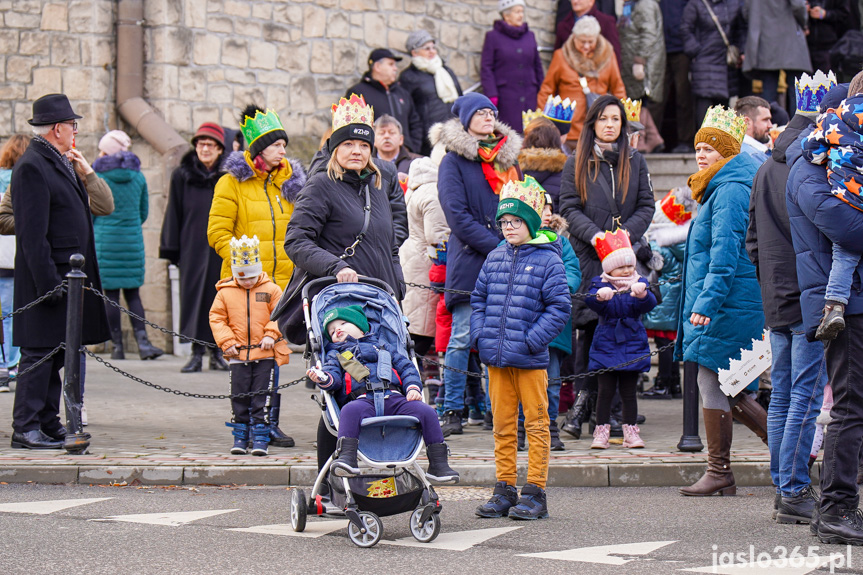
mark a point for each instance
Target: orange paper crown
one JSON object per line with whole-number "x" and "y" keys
{"x": 673, "y": 210}
{"x": 610, "y": 242}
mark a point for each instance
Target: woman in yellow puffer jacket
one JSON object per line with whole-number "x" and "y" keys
{"x": 256, "y": 195}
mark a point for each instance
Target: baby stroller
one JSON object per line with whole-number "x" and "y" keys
{"x": 392, "y": 481}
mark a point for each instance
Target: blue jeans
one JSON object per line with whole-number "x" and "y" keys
{"x": 553, "y": 390}
{"x": 841, "y": 274}
{"x": 799, "y": 375}
{"x": 457, "y": 355}
{"x": 12, "y": 352}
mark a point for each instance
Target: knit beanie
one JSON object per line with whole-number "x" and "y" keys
{"x": 353, "y": 119}
{"x": 723, "y": 130}
{"x": 719, "y": 141}
{"x": 416, "y": 39}
{"x": 114, "y": 142}
{"x": 210, "y": 130}
{"x": 260, "y": 129}
{"x": 523, "y": 199}
{"x": 351, "y": 314}
{"x": 469, "y": 104}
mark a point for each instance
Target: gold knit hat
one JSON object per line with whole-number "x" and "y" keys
{"x": 723, "y": 130}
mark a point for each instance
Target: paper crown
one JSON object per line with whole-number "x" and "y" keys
{"x": 353, "y": 110}
{"x": 262, "y": 123}
{"x": 609, "y": 242}
{"x": 528, "y": 191}
{"x": 246, "y": 256}
{"x": 633, "y": 110}
{"x": 726, "y": 121}
{"x": 529, "y": 116}
{"x": 812, "y": 89}
{"x": 560, "y": 112}
{"x": 673, "y": 209}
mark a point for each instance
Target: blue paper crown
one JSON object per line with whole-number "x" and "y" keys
{"x": 559, "y": 110}
{"x": 811, "y": 90}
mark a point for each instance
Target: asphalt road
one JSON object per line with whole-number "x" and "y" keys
{"x": 47, "y": 529}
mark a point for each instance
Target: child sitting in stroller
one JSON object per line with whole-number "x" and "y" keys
{"x": 350, "y": 363}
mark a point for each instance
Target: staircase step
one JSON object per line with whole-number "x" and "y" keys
{"x": 668, "y": 171}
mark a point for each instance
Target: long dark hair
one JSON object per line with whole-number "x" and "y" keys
{"x": 586, "y": 162}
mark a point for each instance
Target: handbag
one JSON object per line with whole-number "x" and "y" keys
{"x": 591, "y": 97}
{"x": 289, "y": 312}
{"x": 732, "y": 53}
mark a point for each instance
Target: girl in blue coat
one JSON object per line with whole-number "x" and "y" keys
{"x": 620, "y": 298}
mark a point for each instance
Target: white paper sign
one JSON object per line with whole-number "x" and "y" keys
{"x": 752, "y": 363}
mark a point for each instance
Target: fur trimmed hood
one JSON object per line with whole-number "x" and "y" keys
{"x": 456, "y": 139}
{"x": 589, "y": 67}
{"x": 237, "y": 166}
{"x": 558, "y": 225}
{"x": 541, "y": 160}
{"x": 118, "y": 161}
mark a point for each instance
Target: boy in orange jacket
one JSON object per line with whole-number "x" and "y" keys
{"x": 252, "y": 344}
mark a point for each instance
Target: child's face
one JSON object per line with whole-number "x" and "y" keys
{"x": 622, "y": 272}
{"x": 247, "y": 283}
{"x": 339, "y": 330}
{"x": 546, "y": 215}
{"x": 515, "y": 230}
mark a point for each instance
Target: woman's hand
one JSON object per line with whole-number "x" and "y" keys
{"x": 267, "y": 343}
{"x": 346, "y": 275}
{"x": 698, "y": 319}
{"x": 604, "y": 294}
{"x": 414, "y": 395}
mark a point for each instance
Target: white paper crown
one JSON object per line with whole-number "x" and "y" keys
{"x": 812, "y": 89}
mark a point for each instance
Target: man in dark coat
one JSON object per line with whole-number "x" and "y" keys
{"x": 382, "y": 91}
{"x": 52, "y": 207}
{"x": 390, "y": 144}
{"x": 607, "y": 24}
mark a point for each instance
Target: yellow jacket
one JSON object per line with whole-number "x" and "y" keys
{"x": 254, "y": 203}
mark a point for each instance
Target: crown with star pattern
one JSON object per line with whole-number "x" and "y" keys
{"x": 726, "y": 121}
{"x": 810, "y": 90}
{"x": 353, "y": 110}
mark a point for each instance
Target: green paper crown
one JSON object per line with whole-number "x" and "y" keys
{"x": 254, "y": 128}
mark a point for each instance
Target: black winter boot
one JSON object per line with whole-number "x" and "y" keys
{"x": 532, "y": 504}
{"x": 661, "y": 389}
{"x": 554, "y": 436}
{"x": 277, "y": 436}
{"x": 439, "y": 469}
{"x": 217, "y": 363}
{"x": 676, "y": 391}
{"x": 575, "y": 417}
{"x": 488, "y": 420}
{"x": 521, "y": 435}
{"x": 451, "y": 423}
{"x": 503, "y": 497}
{"x": 146, "y": 349}
{"x": 346, "y": 464}
{"x": 195, "y": 363}
{"x": 117, "y": 344}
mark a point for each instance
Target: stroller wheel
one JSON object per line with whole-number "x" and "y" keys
{"x": 373, "y": 527}
{"x": 427, "y": 532}
{"x": 298, "y": 510}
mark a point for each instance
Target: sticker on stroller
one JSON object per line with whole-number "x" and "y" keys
{"x": 382, "y": 488}
{"x": 350, "y": 364}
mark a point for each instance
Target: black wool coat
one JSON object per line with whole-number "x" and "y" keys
{"x": 184, "y": 242}
{"x": 52, "y": 217}
{"x": 431, "y": 109}
{"x": 396, "y": 102}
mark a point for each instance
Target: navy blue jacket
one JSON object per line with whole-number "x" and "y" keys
{"x": 620, "y": 335}
{"x": 520, "y": 304}
{"x": 818, "y": 219}
{"x": 366, "y": 350}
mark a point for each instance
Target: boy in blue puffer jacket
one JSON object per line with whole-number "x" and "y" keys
{"x": 520, "y": 304}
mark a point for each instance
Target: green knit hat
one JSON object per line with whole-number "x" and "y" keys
{"x": 351, "y": 314}
{"x": 524, "y": 199}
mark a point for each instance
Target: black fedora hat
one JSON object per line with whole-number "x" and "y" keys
{"x": 52, "y": 109}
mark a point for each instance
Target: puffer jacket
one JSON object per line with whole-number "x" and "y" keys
{"x": 711, "y": 76}
{"x": 241, "y": 317}
{"x": 366, "y": 350}
{"x": 545, "y": 165}
{"x": 520, "y": 304}
{"x": 664, "y": 316}
{"x": 253, "y": 203}
{"x": 119, "y": 238}
{"x": 719, "y": 280}
{"x": 620, "y": 336}
{"x": 558, "y": 225}
{"x": 469, "y": 204}
{"x": 427, "y": 225}
{"x": 642, "y": 41}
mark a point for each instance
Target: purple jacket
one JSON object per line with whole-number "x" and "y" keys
{"x": 511, "y": 71}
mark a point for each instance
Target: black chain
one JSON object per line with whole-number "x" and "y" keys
{"x": 670, "y": 280}
{"x": 35, "y": 302}
{"x": 52, "y": 353}
{"x": 187, "y": 393}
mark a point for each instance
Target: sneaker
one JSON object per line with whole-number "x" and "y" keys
{"x": 631, "y": 439}
{"x": 844, "y": 527}
{"x": 475, "y": 416}
{"x": 4, "y": 388}
{"x": 451, "y": 424}
{"x": 799, "y": 508}
{"x": 502, "y": 499}
{"x": 600, "y": 436}
{"x": 832, "y": 321}
{"x": 531, "y": 505}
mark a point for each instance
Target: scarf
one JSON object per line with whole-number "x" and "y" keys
{"x": 495, "y": 175}
{"x": 699, "y": 181}
{"x": 63, "y": 159}
{"x": 621, "y": 283}
{"x": 443, "y": 82}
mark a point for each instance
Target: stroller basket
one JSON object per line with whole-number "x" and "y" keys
{"x": 381, "y": 494}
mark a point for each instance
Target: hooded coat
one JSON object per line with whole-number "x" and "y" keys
{"x": 642, "y": 41}
{"x": 119, "y": 238}
{"x": 776, "y": 39}
{"x": 719, "y": 281}
{"x": 545, "y": 165}
{"x": 711, "y": 76}
{"x": 469, "y": 204}
{"x": 254, "y": 203}
{"x": 431, "y": 109}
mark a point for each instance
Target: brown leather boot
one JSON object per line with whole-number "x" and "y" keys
{"x": 750, "y": 413}
{"x": 718, "y": 478}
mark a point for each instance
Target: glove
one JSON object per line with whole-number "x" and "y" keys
{"x": 638, "y": 71}
{"x": 604, "y": 294}
{"x": 593, "y": 240}
{"x": 639, "y": 290}
{"x": 657, "y": 262}
{"x": 57, "y": 297}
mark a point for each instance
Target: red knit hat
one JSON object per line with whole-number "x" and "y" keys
{"x": 212, "y": 131}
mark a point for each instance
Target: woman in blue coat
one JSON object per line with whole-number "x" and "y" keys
{"x": 721, "y": 310}
{"x": 119, "y": 239}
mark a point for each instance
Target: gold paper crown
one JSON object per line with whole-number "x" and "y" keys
{"x": 726, "y": 121}
{"x": 245, "y": 256}
{"x": 352, "y": 111}
{"x": 528, "y": 191}
{"x": 529, "y": 116}
{"x": 633, "y": 110}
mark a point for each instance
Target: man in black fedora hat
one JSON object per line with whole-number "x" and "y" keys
{"x": 52, "y": 213}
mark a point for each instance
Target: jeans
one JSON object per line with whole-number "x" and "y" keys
{"x": 12, "y": 353}
{"x": 841, "y": 274}
{"x": 799, "y": 376}
{"x": 553, "y": 390}
{"x": 457, "y": 353}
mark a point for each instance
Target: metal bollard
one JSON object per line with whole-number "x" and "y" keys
{"x": 690, "y": 440}
{"x": 77, "y": 441}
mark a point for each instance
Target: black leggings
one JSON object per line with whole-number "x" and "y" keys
{"x": 133, "y": 304}
{"x": 668, "y": 368}
{"x": 584, "y": 339}
{"x": 608, "y": 384}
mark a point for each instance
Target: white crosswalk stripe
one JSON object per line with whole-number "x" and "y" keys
{"x": 620, "y": 554}
{"x": 455, "y": 541}
{"x": 171, "y": 519}
{"x": 47, "y": 507}
{"x": 314, "y": 529}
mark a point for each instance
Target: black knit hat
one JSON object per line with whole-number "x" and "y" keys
{"x": 260, "y": 129}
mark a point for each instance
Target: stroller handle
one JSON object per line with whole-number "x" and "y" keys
{"x": 319, "y": 284}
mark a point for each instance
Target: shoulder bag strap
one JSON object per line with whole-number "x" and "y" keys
{"x": 716, "y": 21}
{"x": 609, "y": 195}
{"x": 367, "y": 209}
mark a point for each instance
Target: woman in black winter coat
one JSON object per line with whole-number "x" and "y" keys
{"x": 713, "y": 81}
{"x": 602, "y": 162}
{"x": 542, "y": 157}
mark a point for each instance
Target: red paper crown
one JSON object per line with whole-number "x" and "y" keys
{"x": 610, "y": 242}
{"x": 673, "y": 210}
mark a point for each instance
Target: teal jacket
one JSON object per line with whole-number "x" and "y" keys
{"x": 719, "y": 280}
{"x": 563, "y": 342}
{"x": 119, "y": 240}
{"x": 664, "y": 316}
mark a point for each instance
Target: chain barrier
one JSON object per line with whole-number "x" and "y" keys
{"x": 670, "y": 280}
{"x": 58, "y": 288}
{"x": 52, "y": 353}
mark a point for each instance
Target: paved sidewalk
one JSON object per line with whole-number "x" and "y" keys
{"x": 141, "y": 435}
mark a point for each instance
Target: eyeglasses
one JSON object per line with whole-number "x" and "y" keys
{"x": 486, "y": 113}
{"x": 427, "y": 48}
{"x": 514, "y": 223}
{"x": 205, "y": 144}
{"x": 73, "y": 123}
